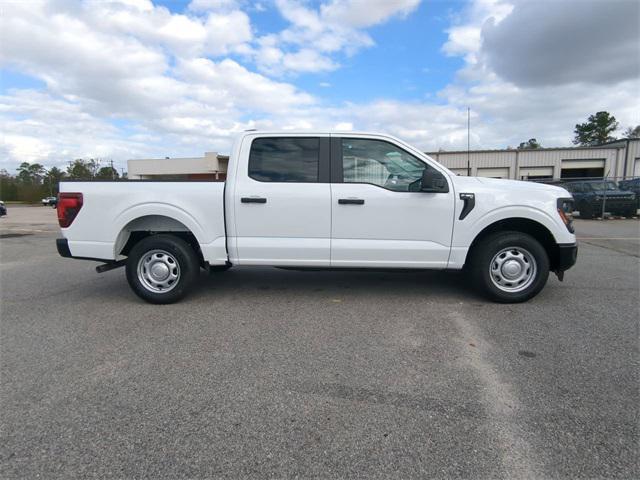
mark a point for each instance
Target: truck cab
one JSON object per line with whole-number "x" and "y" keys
{"x": 324, "y": 200}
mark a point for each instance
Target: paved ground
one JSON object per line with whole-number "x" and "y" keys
{"x": 268, "y": 373}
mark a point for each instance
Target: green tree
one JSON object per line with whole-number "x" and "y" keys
{"x": 107, "y": 173}
{"x": 54, "y": 177}
{"x": 632, "y": 132}
{"x": 30, "y": 173}
{"x": 531, "y": 144}
{"x": 81, "y": 169}
{"x": 8, "y": 186}
{"x": 596, "y": 130}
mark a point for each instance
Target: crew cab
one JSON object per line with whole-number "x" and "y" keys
{"x": 322, "y": 200}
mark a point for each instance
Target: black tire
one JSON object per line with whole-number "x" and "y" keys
{"x": 175, "y": 256}
{"x": 586, "y": 211}
{"x": 482, "y": 257}
{"x": 629, "y": 212}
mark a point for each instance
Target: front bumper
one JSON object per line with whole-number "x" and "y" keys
{"x": 613, "y": 205}
{"x": 567, "y": 256}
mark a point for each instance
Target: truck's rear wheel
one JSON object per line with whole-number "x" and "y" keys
{"x": 509, "y": 267}
{"x": 161, "y": 268}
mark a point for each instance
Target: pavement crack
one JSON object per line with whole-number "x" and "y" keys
{"x": 500, "y": 402}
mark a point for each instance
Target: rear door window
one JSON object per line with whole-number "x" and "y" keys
{"x": 285, "y": 159}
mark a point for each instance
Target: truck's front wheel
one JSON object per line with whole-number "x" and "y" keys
{"x": 510, "y": 267}
{"x": 161, "y": 268}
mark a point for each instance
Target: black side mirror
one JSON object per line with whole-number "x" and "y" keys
{"x": 433, "y": 182}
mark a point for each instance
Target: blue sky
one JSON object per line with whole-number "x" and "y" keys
{"x": 136, "y": 78}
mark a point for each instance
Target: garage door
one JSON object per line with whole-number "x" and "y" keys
{"x": 589, "y": 168}
{"x": 636, "y": 168}
{"x": 459, "y": 171}
{"x": 536, "y": 172}
{"x": 494, "y": 172}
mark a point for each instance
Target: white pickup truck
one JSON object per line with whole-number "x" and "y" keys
{"x": 322, "y": 200}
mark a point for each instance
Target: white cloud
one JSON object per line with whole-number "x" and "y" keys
{"x": 316, "y": 34}
{"x": 216, "y": 33}
{"x": 362, "y": 14}
{"x": 465, "y": 33}
{"x": 207, "y": 5}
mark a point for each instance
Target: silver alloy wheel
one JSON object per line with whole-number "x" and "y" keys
{"x": 158, "y": 271}
{"x": 513, "y": 269}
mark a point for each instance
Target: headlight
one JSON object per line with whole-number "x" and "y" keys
{"x": 598, "y": 198}
{"x": 565, "y": 210}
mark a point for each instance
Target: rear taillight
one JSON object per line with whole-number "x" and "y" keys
{"x": 69, "y": 204}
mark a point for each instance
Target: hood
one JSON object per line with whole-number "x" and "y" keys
{"x": 510, "y": 185}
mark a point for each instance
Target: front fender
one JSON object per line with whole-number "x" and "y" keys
{"x": 465, "y": 234}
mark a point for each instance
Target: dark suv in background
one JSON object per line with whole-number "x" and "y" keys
{"x": 589, "y": 196}
{"x": 632, "y": 185}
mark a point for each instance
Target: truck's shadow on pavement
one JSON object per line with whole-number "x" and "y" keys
{"x": 267, "y": 281}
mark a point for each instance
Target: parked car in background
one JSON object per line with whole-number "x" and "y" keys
{"x": 632, "y": 185}
{"x": 50, "y": 201}
{"x": 310, "y": 201}
{"x": 591, "y": 196}
{"x": 3, "y": 209}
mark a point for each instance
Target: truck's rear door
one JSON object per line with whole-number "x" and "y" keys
{"x": 282, "y": 201}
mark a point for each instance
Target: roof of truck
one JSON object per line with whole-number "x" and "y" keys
{"x": 315, "y": 132}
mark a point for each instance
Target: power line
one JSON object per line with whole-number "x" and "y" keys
{"x": 468, "y": 141}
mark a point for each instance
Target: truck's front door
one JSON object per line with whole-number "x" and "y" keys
{"x": 282, "y": 202}
{"x": 380, "y": 218}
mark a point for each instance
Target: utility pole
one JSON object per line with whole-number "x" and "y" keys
{"x": 113, "y": 172}
{"x": 468, "y": 141}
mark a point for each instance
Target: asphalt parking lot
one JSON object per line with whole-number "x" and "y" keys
{"x": 270, "y": 373}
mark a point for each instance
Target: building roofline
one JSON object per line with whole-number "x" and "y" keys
{"x": 514, "y": 150}
{"x": 620, "y": 140}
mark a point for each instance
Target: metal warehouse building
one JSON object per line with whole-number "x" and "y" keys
{"x": 615, "y": 159}
{"x": 619, "y": 159}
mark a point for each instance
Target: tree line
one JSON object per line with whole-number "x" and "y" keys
{"x": 33, "y": 181}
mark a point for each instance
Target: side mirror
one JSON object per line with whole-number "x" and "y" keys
{"x": 433, "y": 182}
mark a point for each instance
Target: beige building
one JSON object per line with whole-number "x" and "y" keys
{"x": 210, "y": 167}
{"x": 616, "y": 159}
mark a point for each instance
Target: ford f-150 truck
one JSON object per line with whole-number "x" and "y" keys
{"x": 322, "y": 200}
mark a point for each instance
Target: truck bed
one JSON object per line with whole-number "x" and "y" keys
{"x": 111, "y": 211}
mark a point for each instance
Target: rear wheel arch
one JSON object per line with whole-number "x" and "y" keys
{"x": 145, "y": 226}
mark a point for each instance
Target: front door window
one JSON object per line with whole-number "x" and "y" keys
{"x": 380, "y": 163}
